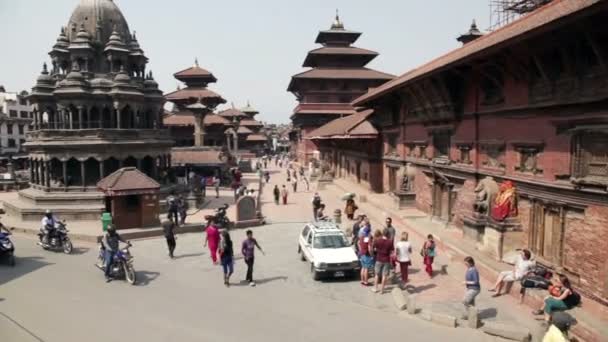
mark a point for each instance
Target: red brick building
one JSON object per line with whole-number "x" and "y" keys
{"x": 337, "y": 75}
{"x": 528, "y": 104}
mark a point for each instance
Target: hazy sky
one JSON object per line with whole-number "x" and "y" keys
{"x": 252, "y": 47}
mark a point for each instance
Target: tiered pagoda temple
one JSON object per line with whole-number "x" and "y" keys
{"x": 337, "y": 76}
{"x": 96, "y": 110}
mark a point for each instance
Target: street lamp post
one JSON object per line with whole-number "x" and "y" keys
{"x": 236, "y": 122}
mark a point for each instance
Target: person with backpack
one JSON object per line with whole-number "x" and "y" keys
{"x": 561, "y": 298}
{"x": 226, "y": 256}
{"x": 428, "y": 254}
{"x": 182, "y": 208}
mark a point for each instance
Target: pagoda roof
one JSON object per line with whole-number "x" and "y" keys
{"x": 232, "y": 112}
{"x": 194, "y": 156}
{"x": 251, "y": 123}
{"x": 340, "y": 73}
{"x": 316, "y": 55}
{"x": 127, "y": 181}
{"x": 249, "y": 109}
{"x": 356, "y": 126}
{"x": 527, "y": 25}
{"x": 195, "y": 73}
{"x": 339, "y": 36}
{"x": 257, "y": 137}
{"x": 186, "y": 118}
{"x": 195, "y": 93}
{"x": 244, "y": 130}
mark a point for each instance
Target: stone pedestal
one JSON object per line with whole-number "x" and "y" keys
{"x": 195, "y": 200}
{"x": 404, "y": 199}
{"x": 474, "y": 227}
{"x": 502, "y": 236}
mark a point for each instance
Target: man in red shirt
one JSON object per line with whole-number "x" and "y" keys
{"x": 383, "y": 246}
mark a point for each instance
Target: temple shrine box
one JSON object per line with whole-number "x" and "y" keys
{"x": 132, "y": 197}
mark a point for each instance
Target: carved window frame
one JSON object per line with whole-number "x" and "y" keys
{"x": 491, "y": 147}
{"x": 581, "y": 160}
{"x": 527, "y": 149}
{"x": 464, "y": 147}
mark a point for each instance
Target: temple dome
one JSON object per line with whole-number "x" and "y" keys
{"x": 98, "y": 14}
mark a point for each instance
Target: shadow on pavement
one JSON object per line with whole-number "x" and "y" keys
{"x": 23, "y": 266}
{"x": 80, "y": 250}
{"x": 145, "y": 277}
{"x": 487, "y": 313}
{"x": 418, "y": 289}
{"x": 260, "y": 281}
{"x": 191, "y": 255}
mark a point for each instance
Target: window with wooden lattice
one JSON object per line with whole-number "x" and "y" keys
{"x": 591, "y": 158}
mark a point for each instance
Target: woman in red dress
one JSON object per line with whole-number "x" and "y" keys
{"x": 212, "y": 240}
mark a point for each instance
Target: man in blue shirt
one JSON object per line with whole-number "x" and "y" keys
{"x": 471, "y": 282}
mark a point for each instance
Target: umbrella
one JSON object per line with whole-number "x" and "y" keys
{"x": 347, "y": 196}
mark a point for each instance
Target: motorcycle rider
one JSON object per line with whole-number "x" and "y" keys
{"x": 110, "y": 243}
{"x": 48, "y": 225}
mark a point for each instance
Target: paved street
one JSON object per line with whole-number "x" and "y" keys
{"x": 55, "y": 297}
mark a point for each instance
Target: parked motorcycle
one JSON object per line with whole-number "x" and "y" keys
{"x": 58, "y": 238}
{"x": 7, "y": 248}
{"x": 122, "y": 264}
{"x": 220, "y": 217}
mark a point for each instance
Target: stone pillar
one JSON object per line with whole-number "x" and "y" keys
{"x": 81, "y": 123}
{"x": 101, "y": 170}
{"x": 199, "y": 130}
{"x": 71, "y": 119}
{"x": 47, "y": 174}
{"x": 228, "y": 143}
{"x": 35, "y": 167}
{"x": 118, "y": 123}
{"x": 31, "y": 170}
{"x": 64, "y": 166}
{"x": 35, "y": 123}
{"x": 82, "y": 174}
{"x": 112, "y": 118}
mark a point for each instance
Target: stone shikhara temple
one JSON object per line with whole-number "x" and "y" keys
{"x": 96, "y": 109}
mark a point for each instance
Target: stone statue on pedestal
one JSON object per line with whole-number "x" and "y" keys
{"x": 484, "y": 194}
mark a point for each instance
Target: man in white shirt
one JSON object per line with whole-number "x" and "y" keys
{"x": 48, "y": 225}
{"x": 523, "y": 265}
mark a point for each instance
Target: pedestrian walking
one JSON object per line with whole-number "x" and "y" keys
{"x": 383, "y": 248}
{"x": 288, "y": 175}
{"x": 355, "y": 233}
{"x": 284, "y": 194}
{"x": 267, "y": 176}
{"x": 216, "y": 185}
{"x": 172, "y": 208}
{"x": 248, "y": 251}
{"x": 316, "y": 204}
{"x": 277, "y": 194}
{"x": 365, "y": 255}
{"x": 428, "y": 254}
{"x": 212, "y": 240}
{"x": 305, "y": 179}
{"x": 403, "y": 251}
{"x": 226, "y": 256}
{"x": 168, "y": 227}
{"x": 392, "y": 232}
{"x": 350, "y": 208}
{"x": 182, "y": 208}
{"x": 471, "y": 282}
{"x": 294, "y": 183}
{"x": 204, "y": 186}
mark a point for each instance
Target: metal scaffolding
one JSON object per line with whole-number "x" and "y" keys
{"x": 502, "y": 12}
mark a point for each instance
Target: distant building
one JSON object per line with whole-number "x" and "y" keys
{"x": 15, "y": 120}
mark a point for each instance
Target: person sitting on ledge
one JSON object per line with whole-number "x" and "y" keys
{"x": 523, "y": 265}
{"x": 561, "y": 298}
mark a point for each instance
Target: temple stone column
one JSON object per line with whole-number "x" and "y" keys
{"x": 101, "y": 170}
{"x": 47, "y": 174}
{"x": 82, "y": 174}
{"x": 118, "y": 123}
{"x": 199, "y": 131}
{"x": 81, "y": 124}
{"x": 71, "y": 119}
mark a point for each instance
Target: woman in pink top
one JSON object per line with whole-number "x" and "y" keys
{"x": 213, "y": 240}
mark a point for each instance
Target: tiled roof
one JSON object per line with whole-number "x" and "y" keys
{"x": 194, "y": 93}
{"x": 344, "y": 73}
{"x": 127, "y": 179}
{"x": 183, "y": 156}
{"x": 257, "y": 137}
{"x": 342, "y": 50}
{"x": 244, "y": 130}
{"x": 349, "y": 127}
{"x": 497, "y": 39}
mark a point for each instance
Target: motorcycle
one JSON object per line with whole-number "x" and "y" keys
{"x": 57, "y": 239}
{"x": 122, "y": 264}
{"x": 7, "y": 248}
{"x": 220, "y": 217}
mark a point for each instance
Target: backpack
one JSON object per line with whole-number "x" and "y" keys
{"x": 573, "y": 299}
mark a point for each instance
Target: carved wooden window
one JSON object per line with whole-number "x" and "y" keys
{"x": 528, "y": 157}
{"x": 465, "y": 152}
{"x": 494, "y": 154}
{"x": 441, "y": 144}
{"x": 546, "y": 237}
{"x": 591, "y": 158}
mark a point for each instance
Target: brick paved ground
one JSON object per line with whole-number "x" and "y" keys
{"x": 442, "y": 293}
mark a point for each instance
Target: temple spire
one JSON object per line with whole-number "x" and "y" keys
{"x": 196, "y": 62}
{"x": 337, "y": 24}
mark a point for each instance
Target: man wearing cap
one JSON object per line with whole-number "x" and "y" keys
{"x": 110, "y": 243}
{"x": 558, "y": 331}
